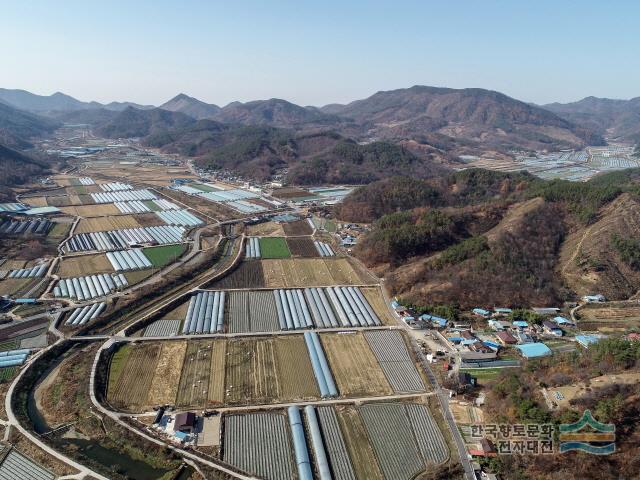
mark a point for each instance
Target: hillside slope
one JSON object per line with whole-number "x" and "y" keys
{"x": 133, "y": 122}
{"x": 275, "y": 113}
{"x": 489, "y": 238}
{"x": 618, "y": 119}
{"x": 591, "y": 262}
{"x": 477, "y": 115}
{"x": 309, "y": 158}
{"x": 16, "y": 169}
{"x": 190, "y": 106}
{"x": 18, "y": 127}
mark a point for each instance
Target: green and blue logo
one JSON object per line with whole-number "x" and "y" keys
{"x": 588, "y": 435}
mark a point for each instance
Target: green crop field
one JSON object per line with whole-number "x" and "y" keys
{"x": 7, "y": 373}
{"x": 274, "y": 247}
{"x": 152, "y": 206}
{"x": 161, "y": 256}
{"x": 9, "y": 345}
{"x": 204, "y": 188}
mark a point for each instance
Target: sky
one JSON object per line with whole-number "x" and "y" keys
{"x": 318, "y": 52}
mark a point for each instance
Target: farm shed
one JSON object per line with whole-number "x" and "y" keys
{"x": 552, "y": 328}
{"x": 185, "y": 422}
{"x": 586, "y": 340}
{"x": 533, "y": 350}
{"x": 505, "y": 338}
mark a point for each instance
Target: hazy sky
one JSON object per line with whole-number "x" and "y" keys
{"x": 318, "y": 52}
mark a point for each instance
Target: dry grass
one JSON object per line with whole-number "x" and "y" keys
{"x": 84, "y": 265}
{"x": 216, "y": 375}
{"x": 164, "y": 386}
{"x": 88, "y": 211}
{"x": 295, "y": 372}
{"x": 179, "y": 313}
{"x": 360, "y": 450}
{"x": 194, "y": 379}
{"x": 268, "y": 229}
{"x": 36, "y": 201}
{"x": 102, "y": 224}
{"x": 376, "y": 300}
{"x": 251, "y": 371}
{"x": 304, "y": 272}
{"x": 12, "y": 285}
{"x": 354, "y": 366}
{"x": 132, "y": 388}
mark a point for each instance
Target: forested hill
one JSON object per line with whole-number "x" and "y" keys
{"x": 18, "y": 127}
{"x": 16, "y": 169}
{"x": 310, "y": 158}
{"x": 485, "y": 238}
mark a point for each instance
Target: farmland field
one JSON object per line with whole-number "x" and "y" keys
{"x": 299, "y": 227}
{"x": 259, "y": 443}
{"x": 390, "y": 349}
{"x": 247, "y": 275}
{"x": 362, "y": 455}
{"x": 91, "y": 210}
{"x": 163, "y": 255}
{"x": 274, "y": 247}
{"x": 267, "y": 229}
{"x": 164, "y": 386}
{"x": 216, "y": 375}
{"x": 405, "y": 438}
{"x": 336, "y": 449}
{"x": 134, "y": 380}
{"x": 354, "y": 366}
{"x": 252, "y": 312}
{"x": 193, "y": 390}
{"x": 296, "y": 378}
{"x": 306, "y": 272}
{"x": 302, "y": 247}
{"x": 264, "y": 370}
{"x": 376, "y": 300}
{"x": 83, "y": 265}
{"x": 609, "y": 316}
{"x": 251, "y": 371}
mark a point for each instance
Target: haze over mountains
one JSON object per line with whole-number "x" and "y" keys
{"x": 415, "y": 129}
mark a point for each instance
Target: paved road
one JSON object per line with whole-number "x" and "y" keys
{"x": 118, "y": 418}
{"x": 13, "y": 422}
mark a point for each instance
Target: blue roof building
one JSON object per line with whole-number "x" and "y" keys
{"x": 562, "y": 321}
{"x": 491, "y": 345}
{"x": 534, "y": 350}
{"x": 183, "y": 437}
{"x": 482, "y": 312}
{"x": 505, "y": 311}
{"x": 439, "y": 321}
{"x": 520, "y": 324}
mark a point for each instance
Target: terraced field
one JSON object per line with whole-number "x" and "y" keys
{"x": 354, "y": 366}
{"x": 335, "y": 446}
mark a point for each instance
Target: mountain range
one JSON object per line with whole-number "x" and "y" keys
{"x": 618, "y": 120}
{"x": 433, "y": 124}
